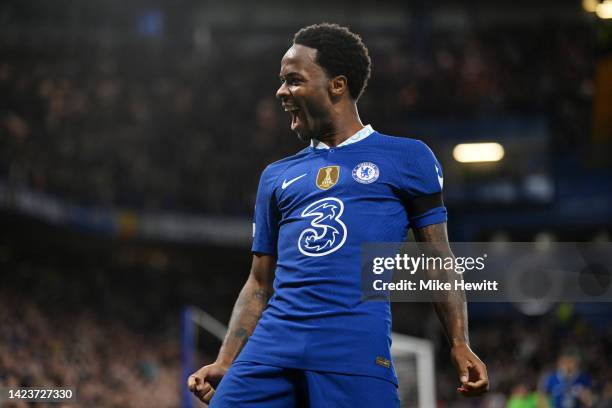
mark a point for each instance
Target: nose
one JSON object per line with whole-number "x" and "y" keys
{"x": 282, "y": 91}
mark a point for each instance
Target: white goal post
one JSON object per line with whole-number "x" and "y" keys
{"x": 415, "y": 368}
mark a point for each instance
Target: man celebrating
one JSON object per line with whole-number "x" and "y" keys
{"x": 312, "y": 340}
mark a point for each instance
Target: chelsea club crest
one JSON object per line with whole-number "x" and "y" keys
{"x": 366, "y": 173}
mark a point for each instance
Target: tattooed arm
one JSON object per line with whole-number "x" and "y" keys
{"x": 452, "y": 312}
{"x": 251, "y": 302}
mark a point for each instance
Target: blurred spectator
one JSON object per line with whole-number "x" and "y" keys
{"x": 523, "y": 397}
{"x": 568, "y": 386}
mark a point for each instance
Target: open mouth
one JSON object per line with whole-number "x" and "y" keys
{"x": 295, "y": 116}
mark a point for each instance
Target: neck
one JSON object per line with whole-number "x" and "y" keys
{"x": 344, "y": 124}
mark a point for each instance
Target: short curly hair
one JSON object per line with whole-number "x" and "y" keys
{"x": 339, "y": 52}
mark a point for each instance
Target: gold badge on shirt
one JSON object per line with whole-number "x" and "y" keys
{"x": 328, "y": 177}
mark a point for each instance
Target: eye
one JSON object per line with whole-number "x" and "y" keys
{"x": 290, "y": 81}
{"x": 293, "y": 81}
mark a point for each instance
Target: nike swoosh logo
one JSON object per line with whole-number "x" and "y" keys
{"x": 440, "y": 179}
{"x": 293, "y": 180}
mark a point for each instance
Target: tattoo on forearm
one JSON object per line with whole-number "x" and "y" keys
{"x": 248, "y": 309}
{"x": 240, "y": 333}
{"x": 262, "y": 295}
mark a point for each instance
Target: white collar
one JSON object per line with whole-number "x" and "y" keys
{"x": 362, "y": 134}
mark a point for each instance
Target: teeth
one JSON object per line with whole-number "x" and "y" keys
{"x": 291, "y": 109}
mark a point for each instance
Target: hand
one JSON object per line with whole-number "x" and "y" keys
{"x": 472, "y": 371}
{"x": 203, "y": 382}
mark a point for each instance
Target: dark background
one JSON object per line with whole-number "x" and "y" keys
{"x": 132, "y": 136}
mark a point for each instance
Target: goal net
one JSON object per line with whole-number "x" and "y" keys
{"x": 414, "y": 365}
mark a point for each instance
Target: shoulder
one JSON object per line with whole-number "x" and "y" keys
{"x": 416, "y": 167}
{"x": 403, "y": 145}
{"x": 275, "y": 169}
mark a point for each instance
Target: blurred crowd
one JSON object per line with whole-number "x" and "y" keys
{"x": 159, "y": 126}
{"x": 97, "y": 317}
{"x": 107, "y": 326}
{"x": 558, "y": 360}
{"x": 104, "y": 363}
{"x": 545, "y": 363}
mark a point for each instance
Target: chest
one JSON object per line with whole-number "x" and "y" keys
{"x": 359, "y": 179}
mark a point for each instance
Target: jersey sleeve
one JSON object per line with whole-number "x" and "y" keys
{"x": 265, "y": 220}
{"x": 421, "y": 182}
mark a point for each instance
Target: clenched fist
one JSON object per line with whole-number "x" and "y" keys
{"x": 204, "y": 381}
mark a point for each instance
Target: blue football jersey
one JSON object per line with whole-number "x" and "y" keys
{"x": 313, "y": 211}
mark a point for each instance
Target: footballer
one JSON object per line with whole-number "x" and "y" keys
{"x": 300, "y": 333}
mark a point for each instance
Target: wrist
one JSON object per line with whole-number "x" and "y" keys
{"x": 224, "y": 362}
{"x": 459, "y": 343}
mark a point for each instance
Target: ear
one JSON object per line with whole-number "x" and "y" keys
{"x": 338, "y": 85}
